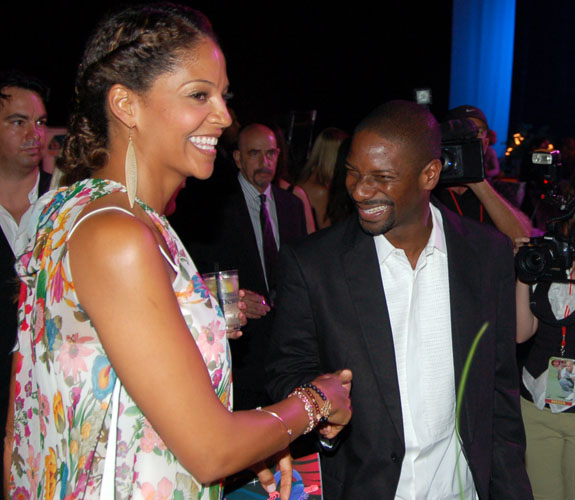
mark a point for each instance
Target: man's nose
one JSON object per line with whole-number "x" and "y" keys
{"x": 35, "y": 131}
{"x": 265, "y": 159}
{"x": 363, "y": 188}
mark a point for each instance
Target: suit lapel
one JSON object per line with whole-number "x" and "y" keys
{"x": 361, "y": 271}
{"x": 246, "y": 232}
{"x": 283, "y": 225}
{"x": 464, "y": 289}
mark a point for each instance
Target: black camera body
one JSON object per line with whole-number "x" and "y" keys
{"x": 545, "y": 259}
{"x": 461, "y": 153}
{"x": 548, "y": 258}
{"x": 545, "y": 171}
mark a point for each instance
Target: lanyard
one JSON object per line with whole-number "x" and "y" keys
{"x": 565, "y": 314}
{"x": 459, "y": 208}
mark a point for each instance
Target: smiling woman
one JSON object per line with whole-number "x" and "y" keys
{"x": 121, "y": 382}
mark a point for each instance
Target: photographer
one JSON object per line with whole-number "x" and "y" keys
{"x": 545, "y": 318}
{"x": 479, "y": 200}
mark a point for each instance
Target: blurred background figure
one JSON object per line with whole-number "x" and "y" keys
{"x": 478, "y": 199}
{"x": 317, "y": 174}
{"x": 340, "y": 204}
{"x": 284, "y": 180}
{"x": 492, "y": 168}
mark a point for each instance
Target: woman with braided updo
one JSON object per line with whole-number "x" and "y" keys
{"x": 121, "y": 382}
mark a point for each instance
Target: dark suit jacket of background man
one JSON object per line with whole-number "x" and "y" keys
{"x": 332, "y": 314}
{"x": 216, "y": 227}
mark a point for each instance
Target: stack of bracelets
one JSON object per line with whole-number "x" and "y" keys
{"x": 316, "y": 415}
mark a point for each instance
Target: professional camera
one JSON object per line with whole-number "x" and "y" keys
{"x": 547, "y": 258}
{"x": 545, "y": 171}
{"x": 461, "y": 153}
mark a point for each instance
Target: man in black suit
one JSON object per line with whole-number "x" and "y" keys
{"x": 22, "y": 142}
{"x": 228, "y": 234}
{"x": 397, "y": 293}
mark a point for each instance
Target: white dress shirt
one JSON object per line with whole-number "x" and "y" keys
{"x": 8, "y": 223}
{"x": 420, "y": 317}
{"x": 252, "y": 197}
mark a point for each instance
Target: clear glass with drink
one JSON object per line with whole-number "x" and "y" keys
{"x": 224, "y": 286}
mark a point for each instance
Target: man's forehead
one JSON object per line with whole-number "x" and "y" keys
{"x": 368, "y": 141}
{"x": 17, "y": 97}
{"x": 257, "y": 137}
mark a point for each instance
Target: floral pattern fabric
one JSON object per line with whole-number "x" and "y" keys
{"x": 64, "y": 380}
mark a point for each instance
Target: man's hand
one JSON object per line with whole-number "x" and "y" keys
{"x": 256, "y": 305}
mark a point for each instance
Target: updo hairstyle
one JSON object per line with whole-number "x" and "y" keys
{"x": 133, "y": 48}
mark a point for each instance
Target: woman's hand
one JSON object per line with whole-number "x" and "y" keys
{"x": 236, "y": 334}
{"x": 266, "y": 477}
{"x": 518, "y": 243}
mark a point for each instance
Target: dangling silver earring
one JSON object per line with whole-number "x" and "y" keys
{"x": 131, "y": 171}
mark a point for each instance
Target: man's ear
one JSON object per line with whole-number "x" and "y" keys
{"x": 236, "y": 155}
{"x": 429, "y": 175}
{"x": 121, "y": 101}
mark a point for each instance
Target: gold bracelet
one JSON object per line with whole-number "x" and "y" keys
{"x": 305, "y": 399}
{"x": 275, "y": 415}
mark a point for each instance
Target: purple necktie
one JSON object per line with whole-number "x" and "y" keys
{"x": 269, "y": 242}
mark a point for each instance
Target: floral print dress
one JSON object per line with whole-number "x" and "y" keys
{"x": 64, "y": 380}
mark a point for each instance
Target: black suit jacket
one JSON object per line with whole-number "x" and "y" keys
{"x": 332, "y": 314}
{"x": 223, "y": 235}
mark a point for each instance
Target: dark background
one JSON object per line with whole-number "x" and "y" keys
{"x": 311, "y": 55}
{"x": 543, "y": 89}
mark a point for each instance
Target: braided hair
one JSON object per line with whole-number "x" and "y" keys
{"x": 133, "y": 48}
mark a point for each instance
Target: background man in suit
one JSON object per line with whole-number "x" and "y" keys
{"x": 235, "y": 232}
{"x": 22, "y": 142}
{"x": 397, "y": 293}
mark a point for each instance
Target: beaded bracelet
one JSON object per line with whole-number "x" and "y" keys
{"x": 317, "y": 412}
{"x": 305, "y": 398}
{"x": 325, "y": 411}
{"x": 274, "y": 414}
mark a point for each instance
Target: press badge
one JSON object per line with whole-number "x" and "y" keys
{"x": 560, "y": 382}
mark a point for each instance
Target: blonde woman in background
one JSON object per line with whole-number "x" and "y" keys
{"x": 316, "y": 176}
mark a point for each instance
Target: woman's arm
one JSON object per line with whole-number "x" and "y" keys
{"x": 123, "y": 283}
{"x": 526, "y": 321}
{"x": 309, "y": 220}
{"x": 318, "y": 196}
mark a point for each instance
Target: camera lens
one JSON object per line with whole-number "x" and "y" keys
{"x": 531, "y": 263}
{"x": 534, "y": 261}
